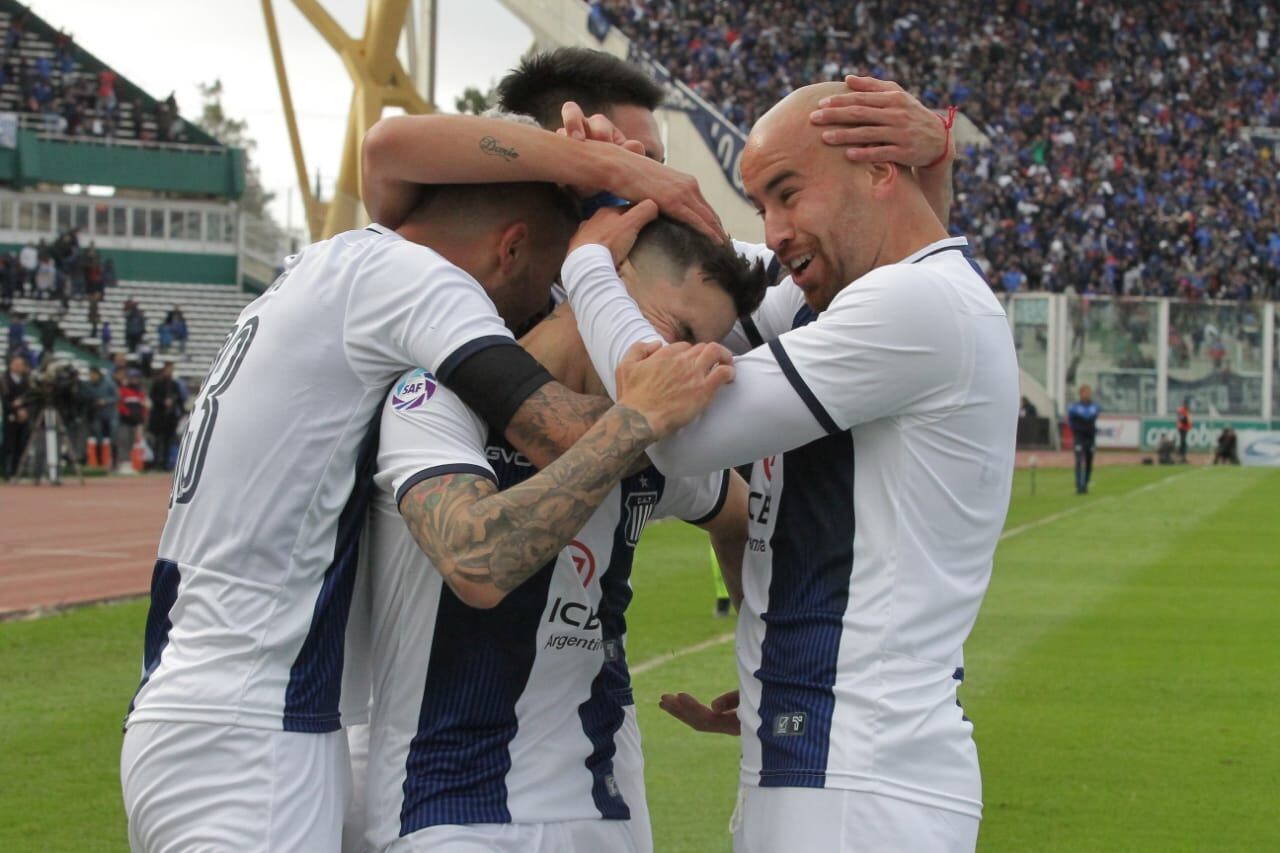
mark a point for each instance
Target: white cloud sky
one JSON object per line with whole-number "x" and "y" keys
{"x": 174, "y": 45}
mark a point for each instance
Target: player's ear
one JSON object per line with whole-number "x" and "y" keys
{"x": 513, "y": 248}
{"x": 884, "y": 177}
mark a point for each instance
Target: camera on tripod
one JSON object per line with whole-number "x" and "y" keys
{"x": 57, "y": 386}
{"x": 53, "y": 397}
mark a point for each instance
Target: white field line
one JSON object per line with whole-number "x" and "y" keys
{"x": 1049, "y": 519}
{"x": 654, "y": 663}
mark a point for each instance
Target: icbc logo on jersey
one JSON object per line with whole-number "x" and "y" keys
{"x": 414, "y": 390}
{"x": 584, "y": 562}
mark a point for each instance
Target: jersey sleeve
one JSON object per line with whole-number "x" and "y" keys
{"x": 889, "y": 345}
{"x": 411, "y": 308}
{"x": 777, "y": 311}
{"x": 760, "y": 395}
{"x": 607, "y": 316}
{"x": 776, "y": 314}
{"x": 427, "y": 431}
{"x": 696, "y": 500}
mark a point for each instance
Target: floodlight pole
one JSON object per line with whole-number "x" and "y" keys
{"x": 378, "y": 81}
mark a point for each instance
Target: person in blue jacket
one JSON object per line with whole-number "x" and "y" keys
{"x": 1083, "y": 418}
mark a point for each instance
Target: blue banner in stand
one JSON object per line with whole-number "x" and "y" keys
{"x": 725, "y": 141}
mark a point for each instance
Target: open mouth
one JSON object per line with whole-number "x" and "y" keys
{"x": 800, "y": 264}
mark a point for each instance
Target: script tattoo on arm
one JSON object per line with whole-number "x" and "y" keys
{"x": 551, "y": 420}
{"x": 485, "y": 543}
{"x": 489, "y": 145}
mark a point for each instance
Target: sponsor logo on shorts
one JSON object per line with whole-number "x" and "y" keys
{"x": 413, "y": 391}
{"x": 611, "y": 785}
{"x": 786, "y": 725}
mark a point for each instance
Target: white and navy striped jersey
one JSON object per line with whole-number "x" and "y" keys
{"x": 257, "y": 562}
{"x": 507, "y": 715}
{"x": 886, "y": 428}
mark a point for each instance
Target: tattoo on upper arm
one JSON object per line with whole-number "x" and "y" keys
{"x": 552, "y": 419}
{"x": 489, "y": 145}
{"x": 477, "y": 535}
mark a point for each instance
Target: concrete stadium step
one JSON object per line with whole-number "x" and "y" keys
{"x": 210, "y": 311}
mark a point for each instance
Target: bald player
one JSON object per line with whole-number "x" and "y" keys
{"x": 883, "y": 400}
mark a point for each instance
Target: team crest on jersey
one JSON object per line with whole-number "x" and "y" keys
{"x": 639, "y": 507}
{"x": 413, "y": 391}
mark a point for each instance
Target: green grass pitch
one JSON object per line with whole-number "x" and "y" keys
{"x": 1123, "y": 677}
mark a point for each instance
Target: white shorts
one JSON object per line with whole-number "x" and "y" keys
{"x": 192, "y": 786}
{"x": 357, "y": 816}
{"x": 570, "y": 836}
{"x": 831, "y": 820}
{"x": 628, "y": 771}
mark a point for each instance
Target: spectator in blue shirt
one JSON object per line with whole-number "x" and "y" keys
{"x": 1083, "y": 419}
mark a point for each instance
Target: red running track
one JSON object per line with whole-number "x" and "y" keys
{"x": 71, "y": 544}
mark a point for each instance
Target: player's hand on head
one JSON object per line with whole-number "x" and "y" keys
{"x": 615, "y": 229}
{"x": 598, "y": 128}
{"x": 671, "y": 385}
{"x": 721, "y": 717}
{"x": 635, "y": 177}
{"x": 879, "y": 122}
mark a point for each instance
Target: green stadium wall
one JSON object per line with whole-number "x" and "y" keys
{"x": 136, "y": 265}
{"x": 215, "y": 172}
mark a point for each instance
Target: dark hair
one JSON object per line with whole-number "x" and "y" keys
{"x": 596, "y": 80}
{"x": 545, "y": 205}
{"x": 683, "y": 248}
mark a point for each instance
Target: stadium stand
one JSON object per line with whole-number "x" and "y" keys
{"x": 210, "y": 311}
{"x": 1129, "y": 148}
{"x": 107, "y": 197}
{"x": 53, "y": 84}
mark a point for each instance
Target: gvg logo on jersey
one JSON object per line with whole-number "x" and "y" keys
{"x": 413, "y": 391}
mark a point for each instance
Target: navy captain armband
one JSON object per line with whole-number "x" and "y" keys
{"x": 599, "y": 200}
{"x": 496, "y": 380}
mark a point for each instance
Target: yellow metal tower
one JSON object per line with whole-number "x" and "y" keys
{"x": 378, "y": 81}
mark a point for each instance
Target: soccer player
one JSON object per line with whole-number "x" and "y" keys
{"x": 502, "y": 714}
{"x": 1082, "y": 415}
{"x": 884, "y": 407}
{"x": 233, "y": 739}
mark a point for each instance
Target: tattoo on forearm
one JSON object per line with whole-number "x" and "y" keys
{"x": 489, "y": 145}
{"x": 551, "y": 420}
{"x": 475, "y": 534}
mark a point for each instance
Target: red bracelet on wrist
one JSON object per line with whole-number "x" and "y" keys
{"x": 946, "y": 142}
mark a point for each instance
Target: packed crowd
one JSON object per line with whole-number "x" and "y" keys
{"x": 75, "y": 101}
{"x": 1116, "y": 163}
